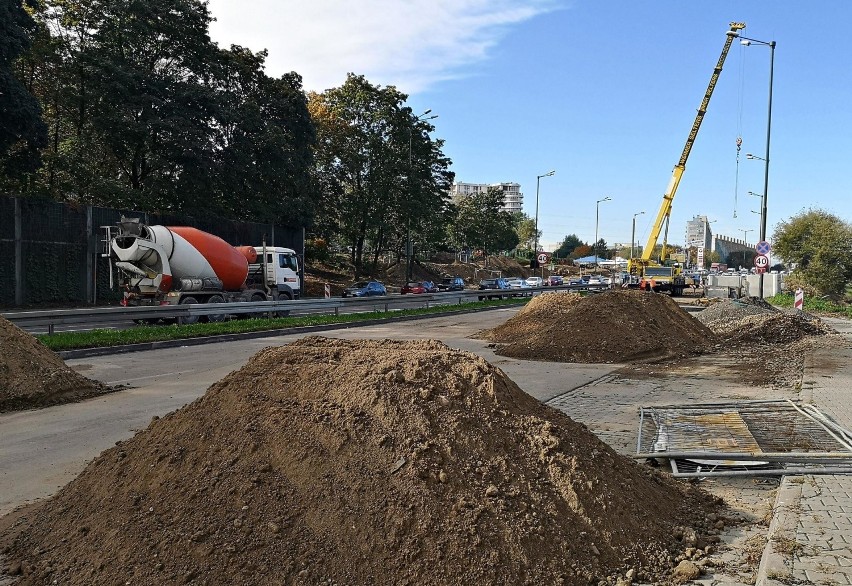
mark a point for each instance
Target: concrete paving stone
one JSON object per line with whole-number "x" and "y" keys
{"x": 817, "y": 577}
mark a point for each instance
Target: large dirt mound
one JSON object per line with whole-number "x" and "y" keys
{"x": 750, "y": 322}
{"x": 32, "y": 375}
{"x": 615, "y": 326}
{"x": 360, "y": 462}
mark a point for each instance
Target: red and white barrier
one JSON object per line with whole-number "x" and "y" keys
{"x": 799, "y": 300}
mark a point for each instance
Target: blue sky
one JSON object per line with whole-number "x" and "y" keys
{"x": 604, "y": 92}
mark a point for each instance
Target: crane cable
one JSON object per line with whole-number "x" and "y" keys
{"x": 740, "y": 100}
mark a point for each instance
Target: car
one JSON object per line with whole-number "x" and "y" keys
{"x": 554, "y": 280}
{"x": 451, "y": 284}
{"x": 413, "y": 287}
{"x": 430, "y": 287}
{"x": 535, "y": 282}
{"x": 365, "y": 289}
{"x": 498, "y": 284}
{"x": 594, "y": 280}
{"x": 518, "y": 283}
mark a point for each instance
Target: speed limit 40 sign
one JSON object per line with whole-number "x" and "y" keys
{"x": 761, "y": 261}
{"x": 543, "y": 257}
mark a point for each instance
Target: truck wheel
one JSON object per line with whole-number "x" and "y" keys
{"x": 283, "y": 297}
{"x": 218, "y": 317}
{"x": 190, "y": 319}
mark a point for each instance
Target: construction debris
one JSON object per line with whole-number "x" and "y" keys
{"x": 750, "y": 438}
{"x": 362, "y": 462}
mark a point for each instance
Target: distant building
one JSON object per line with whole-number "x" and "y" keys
{"x": 698, "y": 233}
{"x": 513, "y": 199}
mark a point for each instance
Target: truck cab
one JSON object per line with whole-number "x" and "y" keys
{"x": 282, "y": 272}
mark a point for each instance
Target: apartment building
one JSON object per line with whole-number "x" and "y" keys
{"x": 513, "y": 199}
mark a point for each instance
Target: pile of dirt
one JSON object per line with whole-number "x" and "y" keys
{"x": 361, "y": 462}
{"x": 32, "y": 375}
{"x": 750, "y": 321}
{"x": 616, "y": 326}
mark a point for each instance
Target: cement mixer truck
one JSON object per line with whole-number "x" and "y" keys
{"x": 160, "y": 265}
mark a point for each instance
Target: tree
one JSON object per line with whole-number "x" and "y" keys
{"x": 568, "y": 246}
{"x": 482, "y": 223}
{"x": 525, "y": 228}
{"x": 820, "y": 244}
{"x": 582, "y": 251}
{"x": 384, "y": 179}
{"x": 23, "y": 133}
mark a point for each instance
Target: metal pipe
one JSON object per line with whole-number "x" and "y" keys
{"x": 831, "y": 433}
{"x": 745, "y": 456}
{"x": 780, "y": 472}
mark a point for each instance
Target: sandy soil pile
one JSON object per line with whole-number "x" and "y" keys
{"x": 360, "y": 462}
{"x": 750, "y": 321}
{"x": 616, "y": 326}
{"x": 32, "y": 375}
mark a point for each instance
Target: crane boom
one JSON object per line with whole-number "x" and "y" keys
{"x": 677, "y": 173}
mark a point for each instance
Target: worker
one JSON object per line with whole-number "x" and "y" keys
{"x": 642, "y": 284}
{"x": 653, "y": 284}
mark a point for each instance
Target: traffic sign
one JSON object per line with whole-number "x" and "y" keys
{"x": 761, "y": 261}
{"x": 760, "y": 270}
{"x": 542, "y": 258}
{"x": 762, "y": 248}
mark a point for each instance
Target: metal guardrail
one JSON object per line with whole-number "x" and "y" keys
{"x": 50, "y": 318}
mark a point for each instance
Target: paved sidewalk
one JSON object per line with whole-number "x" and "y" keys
{"x": 810, "y": 537}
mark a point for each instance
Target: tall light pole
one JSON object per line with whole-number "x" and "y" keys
{"x": 771, "y": 44}
{"x": 633, "y": 236}
{"x": 537, "y": 182}
{"x": 408, "y": 246}
{"x": 745, "y": 233}
{"x": 597, "y": 216}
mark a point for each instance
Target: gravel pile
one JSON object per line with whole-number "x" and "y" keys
{"x": 755, "y": 321}
{"x": 362, "y": 462}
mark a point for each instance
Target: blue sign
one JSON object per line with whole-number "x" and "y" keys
{"x": 762, "y": 247}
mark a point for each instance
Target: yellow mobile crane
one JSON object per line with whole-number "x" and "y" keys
{"x": 666, "y": 275}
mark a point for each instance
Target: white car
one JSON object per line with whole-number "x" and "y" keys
{"x": 594, "y": 280}
{"x": 535, "y": 282}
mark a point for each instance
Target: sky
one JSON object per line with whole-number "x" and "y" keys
{"x": 603, "y": 92}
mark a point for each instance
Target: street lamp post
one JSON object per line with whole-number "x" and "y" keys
{"x": 745, "y": 239}
{"x": 771, "y": 44}
{"x": 597, "y": 216}
{"x": 633, "y": 237}
{"x": 408, "y": 246}
{"x": 537, "y": 183}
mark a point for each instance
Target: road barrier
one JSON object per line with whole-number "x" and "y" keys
{"x": 41, "y": 321}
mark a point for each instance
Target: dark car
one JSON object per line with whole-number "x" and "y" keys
{"x": 498, "y": 284}
{"x": 430, "y": 287}
{"x": 451, "y": 284}
{"x": 365, "y": 289}
{"x": 413, "y": 287}
{"x": 555, "y": 280}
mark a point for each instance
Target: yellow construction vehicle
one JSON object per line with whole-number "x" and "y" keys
{"x": 666, "y": 275}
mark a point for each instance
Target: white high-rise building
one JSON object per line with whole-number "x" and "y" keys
{"x": 513, "y": 199}
{"x": 698, "y": 233}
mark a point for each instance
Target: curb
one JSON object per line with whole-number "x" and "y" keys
{"x": 776, "y": 563}
{"x": 110, "y": 350}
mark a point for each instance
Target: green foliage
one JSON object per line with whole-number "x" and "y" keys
{"x": 820, "y": 244}
{"x": 481, "y": 223}
{"x": 145, "y": 112}
{"x": 383, "y": 179}
{"x": 525, "y": 228}
{"x": 813, "y": 304}
{"x": 568, "y": 246}
{"x": 22, "y": 131}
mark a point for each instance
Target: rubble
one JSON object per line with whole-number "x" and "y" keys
{"x": 361, "y": 462}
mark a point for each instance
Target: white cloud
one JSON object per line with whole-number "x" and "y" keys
{"x": 411, "y": 44}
